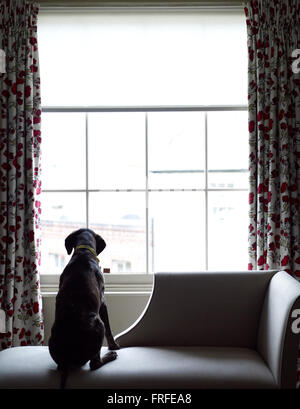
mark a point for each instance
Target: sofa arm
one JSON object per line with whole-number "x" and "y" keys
{"x": 138, "y": 332}
{"x": 278, "y": 342}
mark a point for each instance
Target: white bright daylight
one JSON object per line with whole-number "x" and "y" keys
{"x": 145, "y": 59}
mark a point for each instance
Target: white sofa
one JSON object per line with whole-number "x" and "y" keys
{"x": 199, "y": 330}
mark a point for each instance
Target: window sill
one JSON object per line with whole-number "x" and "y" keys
{"x": 115, "y": 284}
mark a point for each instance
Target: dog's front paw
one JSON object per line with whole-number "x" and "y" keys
{"x": 95, "y": 363}
{"x": 109, "y": 356}
{"x": 113, "y": 346}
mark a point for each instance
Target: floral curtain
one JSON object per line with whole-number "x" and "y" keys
{"x": 274, "y": 135}
{"x": 274, "y": 128}
{"x": 20, "y": 186}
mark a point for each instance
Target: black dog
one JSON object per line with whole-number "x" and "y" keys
{"x": 81, "y": 317}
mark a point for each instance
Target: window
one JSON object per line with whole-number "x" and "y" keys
{"x": 121, "y": 266}
{"x": 145, "y": 137}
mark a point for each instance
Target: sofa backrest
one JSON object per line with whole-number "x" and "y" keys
{"x": 202, "y": 309}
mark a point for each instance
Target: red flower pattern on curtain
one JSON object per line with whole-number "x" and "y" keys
{"x": 274, "y": 129}
{"x": 274, "y": 135}
{"x": 20, "y": 185}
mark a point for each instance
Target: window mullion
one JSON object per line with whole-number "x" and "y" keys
{"x": 206, "y": 194}
{"x": 87, "y": 168}
{"x": 147, "y": 193}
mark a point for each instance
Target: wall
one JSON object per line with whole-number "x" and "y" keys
{"x": 123, "y": 308}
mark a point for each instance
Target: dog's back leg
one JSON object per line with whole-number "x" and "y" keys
{"x": 97, "y": 361}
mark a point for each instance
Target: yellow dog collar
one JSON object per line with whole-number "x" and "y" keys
{"x": 84, "y": 246}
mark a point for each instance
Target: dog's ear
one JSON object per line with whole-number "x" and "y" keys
{"x": 70, "y": 242}
{"x": 100, "y": 244}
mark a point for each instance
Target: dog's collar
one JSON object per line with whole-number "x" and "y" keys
{"x": 84, "y": 246}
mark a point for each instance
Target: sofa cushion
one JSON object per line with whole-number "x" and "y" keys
{"x": 28, "y": 367}
{"x": 142, "y": 367}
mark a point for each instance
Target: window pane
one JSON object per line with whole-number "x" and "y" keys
{"x": 63, "y": 151}
{"x": 115, "y": 58}
{"x": 120, "y": 219}
{"x": 227, "y": 149}
{"x": 62, "y": 213}
{"x": 117, "y": 151}
{"x": 176, "y": 231}
{"x": 176, "y": 150}
{"x": 227, "y": 233}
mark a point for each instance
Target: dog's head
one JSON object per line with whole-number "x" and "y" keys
{"x": 85, "y": 236}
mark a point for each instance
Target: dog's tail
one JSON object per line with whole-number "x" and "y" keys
{"x": 63, "y": 378}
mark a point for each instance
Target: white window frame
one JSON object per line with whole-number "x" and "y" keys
{"x": 138, "y": 281}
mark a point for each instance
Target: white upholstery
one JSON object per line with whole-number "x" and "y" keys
{"x": 142, "y": 367}
{"x": 199, "y": 330}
